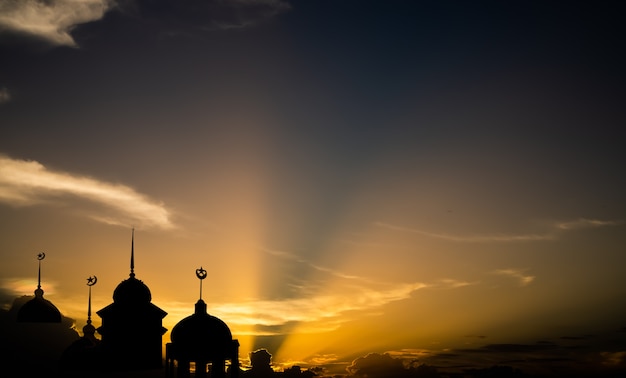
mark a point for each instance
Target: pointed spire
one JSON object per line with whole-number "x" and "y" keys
{"x": 89, "y": 330}
{"x": 90, "y": 282}
{"x": 39, "y": 291}
{"x": 132, "y": 255}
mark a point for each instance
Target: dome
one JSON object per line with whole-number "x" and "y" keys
{"x": 132, "y": 291}
{"x": 39, "y": 310}
{"x": 202, "y": 331}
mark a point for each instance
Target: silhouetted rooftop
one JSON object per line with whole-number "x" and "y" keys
{"x": 202, "y": 331}
{"x": 39, "y": 310}
{"x": 132, "y": 290}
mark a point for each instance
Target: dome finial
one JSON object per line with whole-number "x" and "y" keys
{"x": 201, "y": 274}
{"x": 90, "y": 282}
{"x": 132, "y": 255}
{"x": 39, "y": 291}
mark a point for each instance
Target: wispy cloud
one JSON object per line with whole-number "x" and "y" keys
{"x": 187, "y": 18}
{"x": 471, "y": 238}
{"x": 298, "y": 259}
{"x": 517, "y": 274}
{"x": 552, "y": 232}
{"x": 51, "y": 21}
{"x": 25, "y": 286}
{"x": 5, "y": 96}
{"x": 27, "y": 183}
{"x": 449, "y": 283}
{"x": 581, "y": 223}
{"x": 318, "y": 312}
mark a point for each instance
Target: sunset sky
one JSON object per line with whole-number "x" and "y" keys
{"x": 440, "y": 180}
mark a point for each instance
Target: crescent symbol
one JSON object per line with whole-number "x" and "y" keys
{"x": 92, "y": 280}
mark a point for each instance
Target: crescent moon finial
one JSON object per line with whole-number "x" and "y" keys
{"x": 201, "y": 273}
{"x": 92, "y": 280}
{"x": 41, "y": 256}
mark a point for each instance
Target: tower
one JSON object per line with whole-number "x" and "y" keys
{"x": 132, "y": 330}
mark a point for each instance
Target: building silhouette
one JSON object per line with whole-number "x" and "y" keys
{"x": 84, "y": 353}
{"x": 39, "y": 309}
{"x": 201, "y": 343}
{"x": 132, "y": 327}
{"x": 33, "y": 334}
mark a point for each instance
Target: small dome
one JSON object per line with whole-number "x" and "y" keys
{"x": 202, "y": 331}
{"x": 39, "y": 310}
{"x": 132, "y": 291}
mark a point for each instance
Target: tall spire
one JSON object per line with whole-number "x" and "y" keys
{"x": 89, "y": 331}
{"x": 90, "y": 282}
{"x": 38, "y": 291}
{"x": 132, "y": 255}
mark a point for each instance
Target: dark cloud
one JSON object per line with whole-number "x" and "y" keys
{"x": 376, "y": 365}
{"x": 576, "y": 338}
{"x": 186, "y": 16}
{"x": 517, "y": 348}
{"x": 476, "y": 336}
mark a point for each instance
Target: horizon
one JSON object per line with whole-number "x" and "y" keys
{"x": 438, "y": 181}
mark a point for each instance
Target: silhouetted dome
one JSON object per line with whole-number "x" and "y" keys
{"x": 39, "y": 310}
{"x": 202, "y": 331}
{"x": 132, "y": 291}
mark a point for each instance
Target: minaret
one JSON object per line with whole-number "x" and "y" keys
{"x": 89, "y": 331}
{"x": 84, "y": 353}
{"x": 38, "y": 309}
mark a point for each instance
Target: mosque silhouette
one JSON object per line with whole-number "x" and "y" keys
{"x": 201, "y": 345}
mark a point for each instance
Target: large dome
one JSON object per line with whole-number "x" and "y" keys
{"x": 39, "y": 310}
{"x": 132, "y": 291}
{"x": 202, "y": 331}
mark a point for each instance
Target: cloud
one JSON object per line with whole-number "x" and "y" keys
{"x": 615, "y": 359}
{"x": 5, "y": 96}
{"x": 450, "y": 283}
{"x": 585, "y": 223}
{"x": 321, "y": 312}
{"x": 175, "y": 17}
{"x": 51, "y": 20}
{"x": 580, "y": 357}
{"x": 28, "y": 183}
{"x": 298, "y": 259}
{"x": 377, "y": 365}
{"x": 470, "y": 238}
{"x": 551, "y": 233}
{"x": 524, "y": 280}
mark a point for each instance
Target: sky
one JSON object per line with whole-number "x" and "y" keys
{"x": 436, "y": 180}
